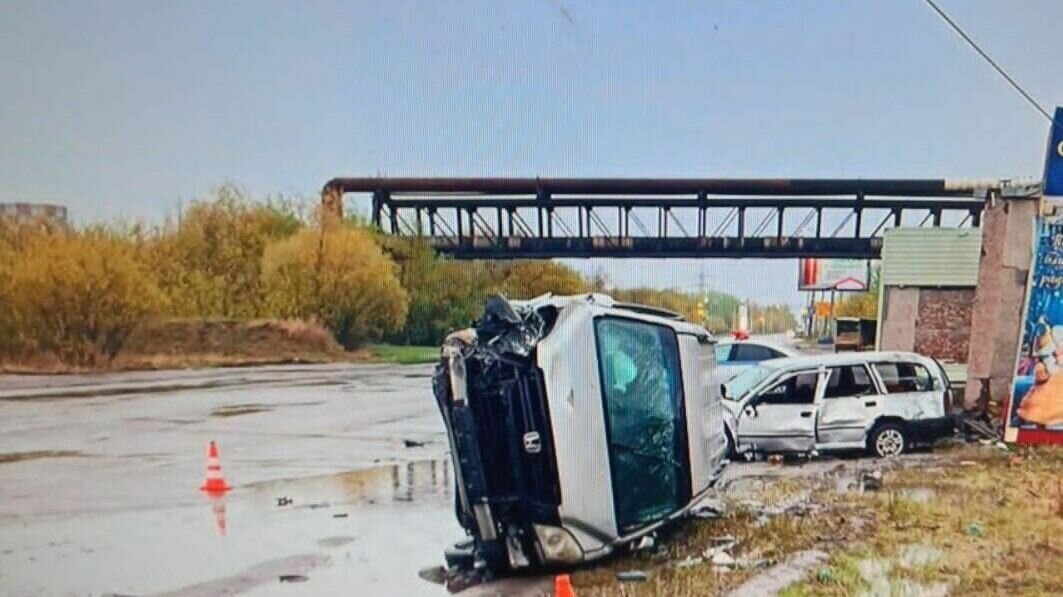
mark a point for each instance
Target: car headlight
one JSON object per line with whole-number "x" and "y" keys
{"x": 558, "y": 545}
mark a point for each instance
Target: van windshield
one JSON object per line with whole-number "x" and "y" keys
{"x": 745, "y": 381}
{"x": 642, "y": 387}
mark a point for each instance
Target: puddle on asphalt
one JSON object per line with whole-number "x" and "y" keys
{"x": 381, "y": 485}
{"x": 235, "y": 410}
{"x": 7, "y": 457}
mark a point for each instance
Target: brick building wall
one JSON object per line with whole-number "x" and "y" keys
{"x": 935, "y": 322}
{"x": 943, "y": 323}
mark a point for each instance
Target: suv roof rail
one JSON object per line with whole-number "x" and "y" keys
{"x": 648, "y": 310}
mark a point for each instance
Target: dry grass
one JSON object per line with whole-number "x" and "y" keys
{"x": 198, "y": 343}
{"x": 994, "y": 525}
{"x": 972, "y": 520}
{"x": 758, "y": 539}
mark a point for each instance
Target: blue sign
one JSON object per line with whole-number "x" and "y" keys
{"x": 1054, "y": 160}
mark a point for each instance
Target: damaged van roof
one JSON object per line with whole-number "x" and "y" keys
{"x": 605, "y": 301}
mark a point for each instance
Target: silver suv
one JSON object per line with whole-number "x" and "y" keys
{"x": 883, "y": 402}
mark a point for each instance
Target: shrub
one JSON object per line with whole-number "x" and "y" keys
{"x": 337, "y": 274}
{"x": 528, "y": 279}
{"x": 210, "y": 263}
{"x": 77, "y": 295}
{"x": 444, "y": 295}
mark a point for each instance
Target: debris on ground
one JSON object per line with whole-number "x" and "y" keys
{"x": 284, "y": 501}
{"x": 690, "y": 562}
{"x": 340, "y": 515}
{"x": 975, "y": 529}
{"x": 871, "y": 480}
{"x": 409, "y": 443}
{"x": 632, "y": 576}
{"x": 293, "y": 578}
{"x": 708, "y": 509}
{"x": 433, "y": 574}
{"x": 645, "y": 543}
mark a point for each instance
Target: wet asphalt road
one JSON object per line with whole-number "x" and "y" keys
{"x": 99, "y": 478}
{"x": 99, "y": 491}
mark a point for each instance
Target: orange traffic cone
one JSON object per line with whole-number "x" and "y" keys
{"x": 214, "y": 483}
{"x": 563, "y": 586}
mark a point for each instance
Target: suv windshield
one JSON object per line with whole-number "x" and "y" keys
{"x": 745, "y": 381}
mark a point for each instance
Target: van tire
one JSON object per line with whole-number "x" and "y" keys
{"x": 887, "y": 440}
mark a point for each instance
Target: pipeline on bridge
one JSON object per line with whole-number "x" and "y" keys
{"x": 508, "y": 218}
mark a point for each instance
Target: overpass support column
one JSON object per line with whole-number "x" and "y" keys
{"x": 996, "y": 318}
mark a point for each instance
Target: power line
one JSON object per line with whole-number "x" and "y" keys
{"x": 981, "y": 52}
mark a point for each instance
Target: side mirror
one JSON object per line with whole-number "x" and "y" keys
{"x": 750, "y": 410}
{"x": 723, "y": 390}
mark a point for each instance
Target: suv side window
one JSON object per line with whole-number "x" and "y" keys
{"x": 797, "y": 389}
{"x": 752, "y": 352}
{"x": 848, "y": 381}
{"x": 905, "y": 377}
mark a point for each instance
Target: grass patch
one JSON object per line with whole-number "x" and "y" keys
{"x": 36, "y": 455}
{"x": 405, "y": 355}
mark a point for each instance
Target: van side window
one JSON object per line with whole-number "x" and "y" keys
{"x": 905, "y": 377}
{"x": 849, "y": 381}
{"x": 798, "y": 389}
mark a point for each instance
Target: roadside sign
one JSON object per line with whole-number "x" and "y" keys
{"x": 1035, "y": 410}
{"x": 832, "y": 274}
{"x": 1053, "y": 183}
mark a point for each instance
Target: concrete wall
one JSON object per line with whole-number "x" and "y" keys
{"x": 931, "y": 321}
{"x": 1007, "y": 247}
{"x": 900, "y": 309}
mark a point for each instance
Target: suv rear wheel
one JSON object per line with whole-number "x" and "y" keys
{"x": 888, "y": 440}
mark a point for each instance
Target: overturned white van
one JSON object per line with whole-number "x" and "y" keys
{"x": 577, "y": 425}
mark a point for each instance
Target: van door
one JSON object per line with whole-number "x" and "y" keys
{"x": 782, "y": 418}
{"x": 850, "y": 403}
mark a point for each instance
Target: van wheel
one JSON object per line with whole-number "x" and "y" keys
{"x": 888, "y": 440}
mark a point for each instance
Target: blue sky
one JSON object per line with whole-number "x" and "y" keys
{"x": 121, "y": 109}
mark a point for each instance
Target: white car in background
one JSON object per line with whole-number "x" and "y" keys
{"x": 883, "y": 402}
{"x": 733, "y": 357}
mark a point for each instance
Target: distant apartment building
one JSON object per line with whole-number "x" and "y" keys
{"x": 34, "y": 212}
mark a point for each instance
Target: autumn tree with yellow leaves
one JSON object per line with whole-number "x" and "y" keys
{"x": 76, "y": 294}
{"x": 336, "y": 273}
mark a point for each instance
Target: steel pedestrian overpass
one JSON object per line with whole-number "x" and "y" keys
{"x": 522, "y": 218}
